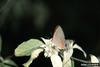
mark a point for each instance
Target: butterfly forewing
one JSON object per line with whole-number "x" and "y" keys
{"x": 58, "y": 38}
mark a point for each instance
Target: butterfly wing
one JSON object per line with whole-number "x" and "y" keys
{"x": 58, "y": 38}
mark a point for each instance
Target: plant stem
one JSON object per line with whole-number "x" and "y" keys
{"x": 80, "y": 60}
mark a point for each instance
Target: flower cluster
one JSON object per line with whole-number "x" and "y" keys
{"x": 51, "y": 47}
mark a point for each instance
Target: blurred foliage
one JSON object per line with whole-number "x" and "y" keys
{"x": 0, "y": 44}
{"x": 7, "y": 62}
{"x": 17, "y": 9}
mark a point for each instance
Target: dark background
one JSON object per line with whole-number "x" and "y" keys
{"x": 21, "y": 20}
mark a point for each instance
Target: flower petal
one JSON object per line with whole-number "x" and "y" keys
{"x": 46, "y": 41}
{"x": 69, "y": 63}
{"x": 94, "y": 59}
{"x": 67, "y": 55}
{"x": 56, "y": 60}
{"x": 78, "y": 47}
{"x": 34, "y": 55}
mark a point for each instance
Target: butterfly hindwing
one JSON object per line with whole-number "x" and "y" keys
{"x": 58, "y": 38}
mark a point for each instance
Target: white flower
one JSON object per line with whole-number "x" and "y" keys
{"x": 69, "y": 51}
{"x": 94, "y": 59}
{"x": 49, "y": 51}
{"x": 51, "y": 48}
{"x": 52, "y": 52}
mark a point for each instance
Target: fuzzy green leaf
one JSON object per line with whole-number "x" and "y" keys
{"x": 26, "y": 48}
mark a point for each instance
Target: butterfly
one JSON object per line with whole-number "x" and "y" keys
{"x": 59, "y": 41}
{"x": 56, "y": 42}
{"x": 58, "y": 38}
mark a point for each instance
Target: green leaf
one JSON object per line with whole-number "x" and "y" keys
{"x": 26, "y": 48}
{"x": 1, "y": 64}
{"x": 10, "y": 62}
{"x": 4, "y": 65}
